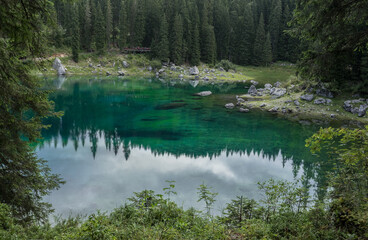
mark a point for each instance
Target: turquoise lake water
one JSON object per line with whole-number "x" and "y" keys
{"x": 124, "y": 135}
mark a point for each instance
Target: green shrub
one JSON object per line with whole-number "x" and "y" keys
{"x": 225, "y": 64}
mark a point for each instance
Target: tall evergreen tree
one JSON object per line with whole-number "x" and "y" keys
{"x": 177, "y": 40}
{"x": 139, "y": 27}
{"x": 108, "y": 22}
{"x": 267, "y": 50}
{"x": 25, "y": 179}
{"x": 100, "y": 30}
{"x": 87, "y": 33}
{"x": 222, "y": 28}
{"x": 161, "y": 46}
{"x": 245, "y": 47}
{"x": 208, "y": 39}
{"x": 195, "y": 48}
{"x": 75, "y": 34}
{"x": 123, "y": 25}
{"x": 274, "y": 25}
{"x": 258, "y": 50}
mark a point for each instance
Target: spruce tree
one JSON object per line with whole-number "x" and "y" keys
{"x": 246, "y": 35}
{"x": 267, "y": 50}
{"x": 123, "y": 25}
{"x": 139, "y": 27}
{"x": 195, "y": 52}
{"x": 100, "y": 30}
{"x": 25, "y": 179}
{"x": 75, "y": 34}
{"x": 177, "y": 40}
{"x": 108, "y": 23}
{"x": 222, "y": 28}
{"x": 258, "y": 50}
{"x": 208, "y": 39}
{"x": 274, "y": 25}
{"x": 161, "y": 50}
{"x": 195, "y": 48}
{"x": 87, "y": 36}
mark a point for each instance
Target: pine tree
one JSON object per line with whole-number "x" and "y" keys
{"x": 209, "y": 54}
{"x": 139, "y": 27}
{"x": 161, "y": 50}
{"x": 123, "y": 26}
{"x": 195, "y": 48}
{"x": 246, "y": 35}
{"x": 222, "y": 29}
{"x": 258, "y": 51}
{"x": 75, "y": 34}
{"x": 100, "y": 30}
{"x": 108, "y": 22}
{"x": 208, "y": 39}
{"x": 274, "y": 25}
{"x": 195, "y": 53}
{"x": 267, "y": 50}
{"x": 87, "y": 36}
{"x": 177, "y": 40}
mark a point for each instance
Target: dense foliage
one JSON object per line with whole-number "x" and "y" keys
{"x": 243, "y": 31}
{"x": 24, "y": 179}
{"x": 336, "y": 35}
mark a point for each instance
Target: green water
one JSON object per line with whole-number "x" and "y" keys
{"x": 120, "y": 135}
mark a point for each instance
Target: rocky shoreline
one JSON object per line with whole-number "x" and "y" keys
{"x": 315, "y": 105}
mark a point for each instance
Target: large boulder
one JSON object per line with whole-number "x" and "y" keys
{"x": 268, "y": 86}
{"x": 320, "y": 101}
{"x": 348, "y": 106}
{"x": 204, "y": 93}
{"x": 59, "y": 67}
{"x": 278, "y": 92}
{"x": 307, "y": 97}
{"x": 121, "y": 73}
{"x": 252, "y": 90}
{"x": 323, "y": 92}
{"x": 277, "y": 84}
{"x": 193, "y": 70}
{"x": 125, "y": 64}
{"x": 362, "y": 110}
{"x": 255, "y": 83}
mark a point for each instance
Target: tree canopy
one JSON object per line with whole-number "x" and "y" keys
{"x": 24, "y": 178}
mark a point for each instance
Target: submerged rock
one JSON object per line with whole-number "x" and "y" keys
{"x": 169, "y": 106}
{"x": 204, "y": 93}
{"x": 243, "y": 110}
{"x": 229, "y": 105}
{"x": 61, "y": 70}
